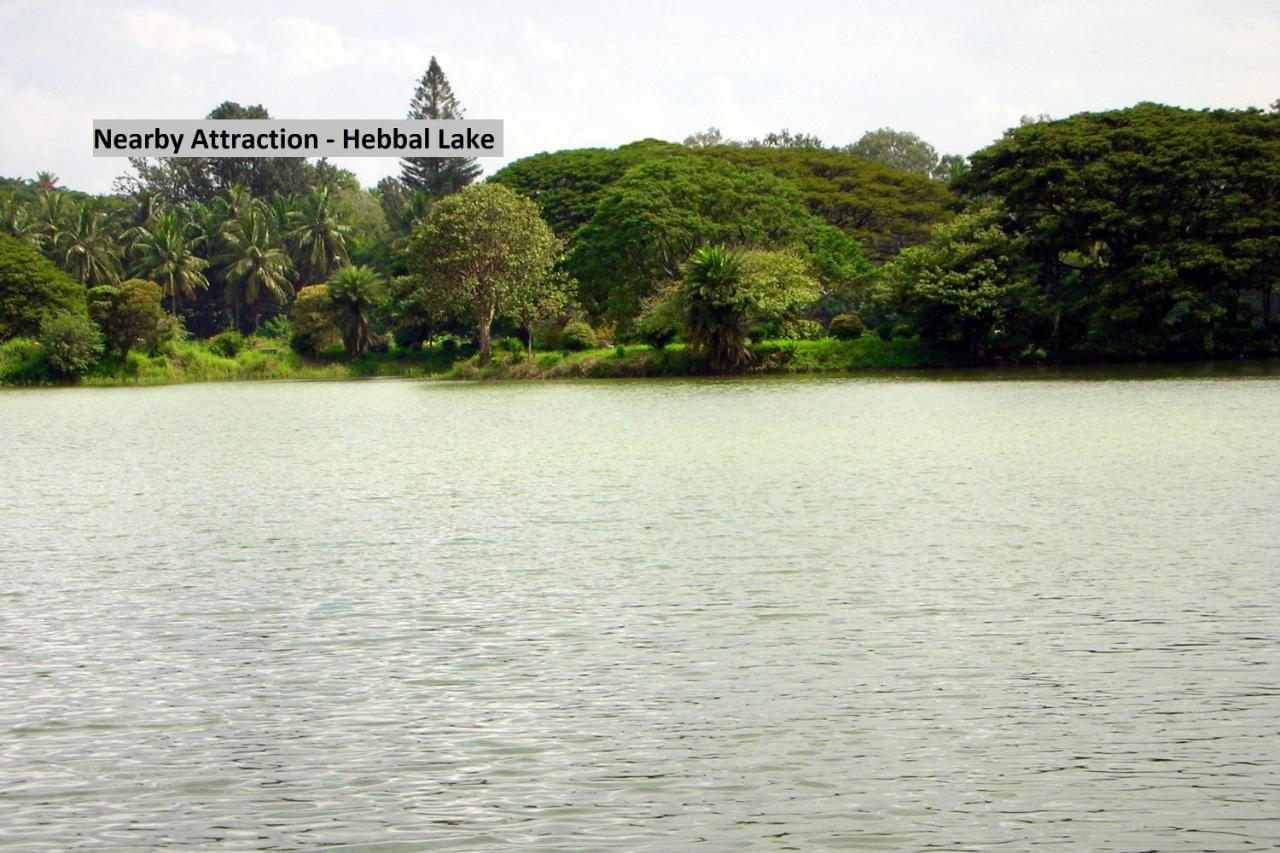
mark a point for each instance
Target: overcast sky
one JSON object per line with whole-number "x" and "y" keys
{"x": 572, "y": 75}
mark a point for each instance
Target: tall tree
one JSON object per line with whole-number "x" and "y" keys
{"x": 438, "y": 176}
{"x": 164, "y": 255}
{"x": 258, "y": 270}
{"x": 87, "y": 248}
{"x": 481, "y": 250}
{"x": 319, "y": 240}
{"x": 897, "y": 149}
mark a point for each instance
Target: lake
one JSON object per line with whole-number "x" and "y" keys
{"x": 871, "y": 613}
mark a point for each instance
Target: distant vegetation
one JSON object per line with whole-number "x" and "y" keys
{"x": 1145, "y": 233}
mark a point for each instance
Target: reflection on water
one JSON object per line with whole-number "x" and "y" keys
{"x": 834, "y": 613}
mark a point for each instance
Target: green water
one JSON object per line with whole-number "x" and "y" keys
{"x": 865, "y": 613}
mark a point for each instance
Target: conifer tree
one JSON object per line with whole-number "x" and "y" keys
{"x": 437, "y": 176}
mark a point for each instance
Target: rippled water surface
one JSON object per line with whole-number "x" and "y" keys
{"x": 861, "y": 613}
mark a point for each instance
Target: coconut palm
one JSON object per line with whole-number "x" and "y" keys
{"x": 257, "y": 269}
{"x": 165, "y": 254}
{"x": 16, "y": 219}
{"x": 87, "y": 248}
{"x": 354, "y": 291}
{"x": 318, "y": 239}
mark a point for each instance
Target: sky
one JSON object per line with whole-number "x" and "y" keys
{"x": 571, "y": 74}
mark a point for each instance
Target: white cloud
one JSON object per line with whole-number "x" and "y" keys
{"x": 158, "y": 31}
{"x": 307, "y": 47}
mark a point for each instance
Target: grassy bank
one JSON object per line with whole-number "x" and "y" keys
{"x": 769, "y": 357}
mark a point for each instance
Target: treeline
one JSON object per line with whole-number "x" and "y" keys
{"x": 1150, "y": 232}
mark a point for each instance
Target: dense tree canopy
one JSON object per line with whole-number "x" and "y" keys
{"x": 1150, "y": 231}
{"x": 32, "y": 288}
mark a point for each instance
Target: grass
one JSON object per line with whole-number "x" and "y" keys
{"x": 22, "y": 363}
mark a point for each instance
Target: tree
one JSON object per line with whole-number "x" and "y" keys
{"x": 883, "y": 208}
{"x": 313, "y": 321}
{"x": 165, "y": 255}
{"x": 437, "y": 176}
{"x": 1151, "y": 231}
{"x": 87, "y": 248}
{"x": 649, "y": 222}
{"x": 726, "y": 291}
{"x": 967, "y": 288}
{"x": 896, "y": 149}
{"x": 706, "y": 138}
{"x": 32, "y": 288}
{"x": 258, "y": 270}
{"x": 354, "y": 291}
{"x": 318, "y": 237}
{"x": 71, "y": 343}
{"x": 46, "y": 181}
{"x": 130, "y": 315}
{"x": 182, "y": 179}
{"x": 785, "y": 139}
{"x": 482, "y": 249}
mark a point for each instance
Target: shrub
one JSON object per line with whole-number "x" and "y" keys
{"x": 313, "y": 321}
{"x": 131, "y": 315}
{"x": 227, "y": 344}
{"x": 31, "y": 289}
{"x": 71, "y": 343}
{"x": 846, "y": 327}
{"x": 449, "y": 347}
{"x": 276, "y": 327}
{"x": 620, "y": 351}
{"x": 22, "y": 360}
{"x": 577, "y": 336}
{"x": 512, "y": 345}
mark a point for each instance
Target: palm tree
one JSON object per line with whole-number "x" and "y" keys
{"x": 715, "y": 314}
{"x": 355, "y": 290}
{"x": 16, "y": 219}
{"x": 257, "y": 268}
{"x": 165, "y": 255}
{"x": 52, "y": 215}
{"x": 318, "y": 238}
{"x": 87, "y": 248}
{"x": 47, "y": 181}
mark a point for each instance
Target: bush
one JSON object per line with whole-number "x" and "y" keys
{"x": 227, "y": 344}
{"x": 313, "y": 321}
{"x": 846, "y": 327}
{"x": 31, "y": 289}
{"x": 22, "y": 360}
{"x": 620, "y": 351}
{"x": 449, "y": 347}
{"x": 577, "y": 336}
{"x": 276, "y": 327}
{"x": 131, "y": 315}
{"x": 511, "y": 345}
{"x": 71, "y": 343}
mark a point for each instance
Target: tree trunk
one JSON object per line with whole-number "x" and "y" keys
{"x": 486, "y": 323}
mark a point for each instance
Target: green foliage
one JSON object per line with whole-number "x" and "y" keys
{"x": 578, "y": 335}
{"x": 967, "y": 287}
{"x": 318, "y": 236}
{"x": 437, "y": 176}
{"x": 165, "y": 254}
{"x": 131, "y": 315}
{"x": 484, "y": 253}
{"x": 313, "y": 321}
{"x": 71, "y": 343}
{"x": 650, "y": 221}
{"x": 22, "y": 362}
{"x": 227, "y": 344}
{"x": 846, "y": 327}
{"x": 567, "y": 185}
{"x": 354, "y": 292}
{"x": 276, "y": 327}
{"x": 897, "y": 149}
{"x": 32, "y": 288}
{"x": 1149, "y": 231}
{"x": 882, "y": 208}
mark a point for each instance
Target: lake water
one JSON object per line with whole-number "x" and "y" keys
{"x": 888, "y": 614}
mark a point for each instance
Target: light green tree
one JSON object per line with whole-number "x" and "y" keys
{"x": 485, "y": 251}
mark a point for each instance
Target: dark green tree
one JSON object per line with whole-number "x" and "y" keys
{"x": 32, "y": 288}
{"x": 437, "y": 176}
{"x": 130, "y": 315}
